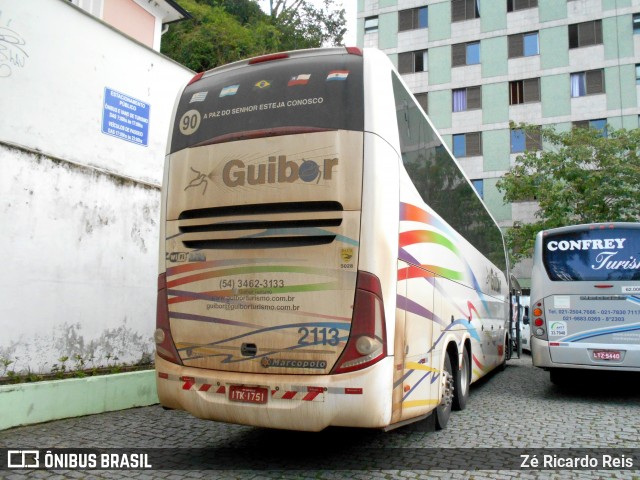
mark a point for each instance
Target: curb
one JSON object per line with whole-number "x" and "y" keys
{"x": 30, "y": 403}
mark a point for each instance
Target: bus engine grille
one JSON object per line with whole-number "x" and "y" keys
{"x": 274, "y": 225}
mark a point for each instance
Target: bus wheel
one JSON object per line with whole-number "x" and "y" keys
{"x": 508, "y": 352}
{"x": 463, "y": 379}
{"x": 443, "y": 411}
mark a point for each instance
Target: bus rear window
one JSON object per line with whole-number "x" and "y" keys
{"x": 593, "y": 255}
{"x": 324, "y": 92}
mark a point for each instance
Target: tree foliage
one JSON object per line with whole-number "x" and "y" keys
{"x": 583, "y": 175}
{"x": 223, "y": 31}
{"x": 305, "y": 26}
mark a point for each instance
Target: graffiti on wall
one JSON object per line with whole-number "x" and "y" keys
{"x": 13, "y": 53}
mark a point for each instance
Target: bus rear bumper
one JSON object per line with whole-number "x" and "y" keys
{"x": 293, "y": 402}
{"x": 581, "y": 356}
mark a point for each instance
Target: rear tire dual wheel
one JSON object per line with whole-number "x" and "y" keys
{"x": 463, "y": 380}
{"x": 443, "y": 411}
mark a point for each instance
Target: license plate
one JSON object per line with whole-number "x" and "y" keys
{"x": 240, "y": 393}
{"x": 607, "y": 355}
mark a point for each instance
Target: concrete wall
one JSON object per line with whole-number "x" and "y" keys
{"x": 79, "y": 206}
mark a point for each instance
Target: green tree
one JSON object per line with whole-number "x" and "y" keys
{"x": 583, "y": 175}
{"x": 214, "y": 36}
{"x": 223, "y": 31}
{"x": 305, "y": 26}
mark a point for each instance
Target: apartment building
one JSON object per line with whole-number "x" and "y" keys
{"x": 476, "y": 65}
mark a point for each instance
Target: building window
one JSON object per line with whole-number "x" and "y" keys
{"x": 524, "y": 91}
{"x": 413, "y": 18}
{"x": 464, "y": 10}
{"x": 465, "y": 54}
{"x": 370, "y": 24}
{"x": 467, "y": 144}
{"x": 469, "y": 98}
{"x": 523, "y": 45}
{"x": 585, "y": 34}
{"x": 513, "y": 5}
{"x": 597, "y": 124}
{"x": 423, "y": 100}
{"x": 587, "y": 83}
{"x": 521, "y": 141}
{"x": 637, "y": 73}
{"x": 636, "y": 23}
{"x": 412, "y": 62}
{"x": 479, "y": 186}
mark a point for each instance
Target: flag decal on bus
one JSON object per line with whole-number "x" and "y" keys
{"x": 262, "y": 84}
{"x": 228, "y": 91}
{"x": 337, "y": 75}
{"x": 198, "y": 97}
{"x": 301, "y": 79}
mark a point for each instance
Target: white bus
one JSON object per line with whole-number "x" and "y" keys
{"x": 585, "y": 294}
{"x": 324, "y": 261}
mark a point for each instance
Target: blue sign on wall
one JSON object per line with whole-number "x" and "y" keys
{"x": 125, "y": 117}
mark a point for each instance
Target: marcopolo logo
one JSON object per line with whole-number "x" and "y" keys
{"x": 236, "y": 173}
{"x": 267, "y": 362}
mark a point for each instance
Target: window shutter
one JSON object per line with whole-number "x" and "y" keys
{"x": 474, "y": 98}
{"x": 586, "y": 34}
{"x": 531, "y": 90}
{"x": 516, "y": 45}
{"x": 405, "y": 62}
{"x": 423, "y": 100}
{"x": 474, "y": 144}
{"x": 597, "y": 26}
{"x": 595, "y": 82}
{"x": 405, "y": 20}
{"x": 458, "y": 10}
{"x": 458, "y": 54}
{"x": 533, "y": 141}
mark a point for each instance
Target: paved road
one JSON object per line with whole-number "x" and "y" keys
{"x": 515, "y": 409}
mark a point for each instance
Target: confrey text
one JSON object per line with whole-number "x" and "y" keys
{"x": 606, "y": 259}
{"x": 236, "y": 173}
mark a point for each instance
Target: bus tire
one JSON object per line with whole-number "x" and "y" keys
{"x": 508, "y": 351}
{"x": 463, "y": 380}
{"x": 443, "y": 411}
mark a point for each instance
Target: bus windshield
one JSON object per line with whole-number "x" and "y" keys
{"x": 310, "y": 92}
{"x": 593, "y": 255}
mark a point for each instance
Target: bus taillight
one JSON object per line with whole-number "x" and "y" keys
{"x": 538, "y": 320}
{"x": 162, "y": 336}
{"x": 268, "y": 58}
{"x": 197, "y": 77}
{"x": 368, "y": 339}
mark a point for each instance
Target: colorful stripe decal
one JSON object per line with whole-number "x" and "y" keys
{"x": 598, "y": 333}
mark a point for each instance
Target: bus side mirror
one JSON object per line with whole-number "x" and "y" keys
{"x": 525, "y": 320}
